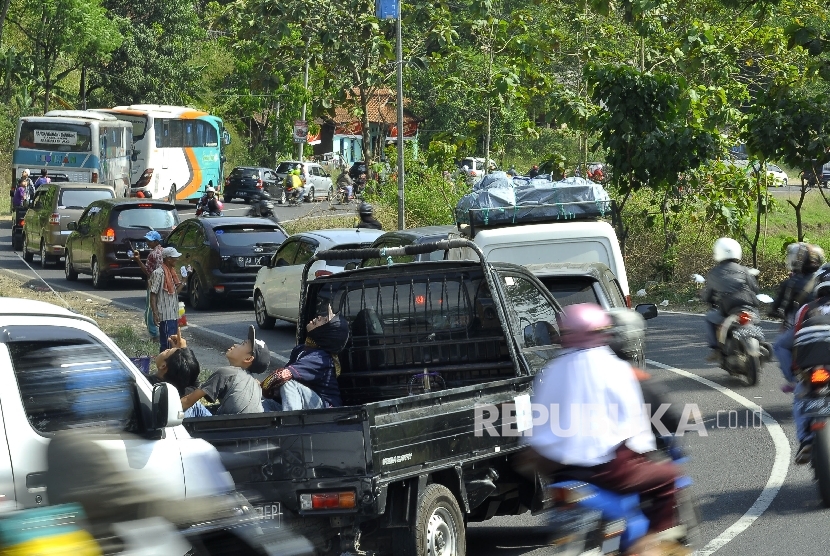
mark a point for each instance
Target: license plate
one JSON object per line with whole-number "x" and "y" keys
{"x": 249, "y": 261}
{"x": 140, "y": 245}
{"x": 814, "y": 406}
{"x": 270, "y": 511}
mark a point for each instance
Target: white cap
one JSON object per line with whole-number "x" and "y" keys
{"x": 170, "y": 252}
{"x": 210, "y": 189}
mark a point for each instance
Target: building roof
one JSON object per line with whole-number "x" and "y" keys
{"x": 382, "y": 108}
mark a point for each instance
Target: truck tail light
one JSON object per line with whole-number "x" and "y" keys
{"x": 108, "y": 236}
{"x": 259, "y": 184}
{"x": 320, "y": 273}
{"x": 94, "y": 177}
{"x": 744, "y": 318}
{"x": 55, "y": 219}
{"x": 328, "y": 501}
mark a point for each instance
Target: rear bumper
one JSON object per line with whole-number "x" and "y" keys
{"x": 239, "y": 285}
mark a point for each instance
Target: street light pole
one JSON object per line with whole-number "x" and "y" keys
{"x": 305, "y": 102}
{"x": 401, "y": 222}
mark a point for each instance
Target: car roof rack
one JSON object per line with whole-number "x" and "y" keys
{"x": 478, "y": 219}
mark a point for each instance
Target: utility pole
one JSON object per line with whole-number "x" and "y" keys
{"x": 305, "y": 102}
{"x": 401, "y": 220}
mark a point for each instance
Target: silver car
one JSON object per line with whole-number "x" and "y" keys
{"x": 317, "y": 182}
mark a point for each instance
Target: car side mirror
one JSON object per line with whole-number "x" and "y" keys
{"x": 350, "y": 266}
{"x": 167, "y": 406}
{"x": 647, "y": 310}
{"x": 72, "y": 226}
{"x": 282, "y": 262}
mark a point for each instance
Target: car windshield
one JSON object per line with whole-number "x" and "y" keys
{"x": 251, "y": 235}
{"x": 53, "y": 136}
{"x": 571, "y": 290}
{"x": 285, "y": 167}
{"x": 82, "y": 198}
{"x": 245, "y": 173}
{"x": 147, "y": 217}
{"x": 773, "y": 168}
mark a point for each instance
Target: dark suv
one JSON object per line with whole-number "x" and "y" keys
{"x": 108, "y": 230}
{"x": 248, "y": 183}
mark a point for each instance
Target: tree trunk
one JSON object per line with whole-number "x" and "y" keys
{"x": 797, "y": 207}
{"x": 6, "y": 4}
{"x": 47, "y": 91}
{"x": 489, "y": 106}
{"x": 364, "y": 123}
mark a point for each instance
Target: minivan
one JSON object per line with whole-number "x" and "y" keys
{"x": 566, "y": 242}
{"x": 56, "y": 205}
{"x": 108, "y": 231}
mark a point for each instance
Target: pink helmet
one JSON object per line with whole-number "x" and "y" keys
{"x": 584, "y": 325}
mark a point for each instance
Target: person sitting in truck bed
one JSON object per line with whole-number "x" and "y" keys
{"x": 233, "y": 387}
{"x": 309, "y": 380}
{"x": 179, "y": 367}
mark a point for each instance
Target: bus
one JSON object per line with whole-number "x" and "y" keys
{"x": 177, "y": 151}
{"x": 84, "y": 145}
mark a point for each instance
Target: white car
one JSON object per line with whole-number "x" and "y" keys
{"x": 317, "y": 182}
{"x": 277, "y": 287}
{"x": 473, "y": 168}
{"x": 778, "y": 177}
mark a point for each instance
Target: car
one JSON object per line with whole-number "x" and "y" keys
{"x": 473, "y": 168}
{"x": 101, "y": 240}
{"x": 317, "y": 182}
{"x": 572, "y": 283}
{"x": 411, "y": 236}
{"x": 277, "y": 287}
{"x": 223, "y": 255}
{"x": 249, "y": 182}
{"x": 56, "y": 205}
{"x": 778, "y": 178}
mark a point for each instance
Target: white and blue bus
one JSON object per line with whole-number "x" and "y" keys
{"x": 84, "y": 145}
{"x": 177, "y": 150}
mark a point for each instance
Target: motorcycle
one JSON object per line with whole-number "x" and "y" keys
{"x": 202, "y": 209}
{"x": 294, "y": 195}
{"x": 17, "y": 227}
{"x": 586, "y": 519}
{"x": 742, "y": 346}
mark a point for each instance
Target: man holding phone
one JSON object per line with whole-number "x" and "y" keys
{"x": 154, "y": 261}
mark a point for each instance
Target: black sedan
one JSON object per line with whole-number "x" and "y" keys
{"x": 223, "y": 255}
{"x": 249, "y": 183}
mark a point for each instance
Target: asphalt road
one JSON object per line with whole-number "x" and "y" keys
{"x": 753, "y": 500}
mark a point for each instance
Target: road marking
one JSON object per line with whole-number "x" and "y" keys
{"x": 780, "y": 465}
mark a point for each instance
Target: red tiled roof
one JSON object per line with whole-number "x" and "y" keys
{"x": 382, "y": 108}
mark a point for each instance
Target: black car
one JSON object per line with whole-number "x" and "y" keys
{"x": 249, "y": 182}
{"x": 223, "y": 255}
{"x": 412, "y": 236}
{"x": 572, "y": 283}
{"x": 101, "y": 239}
{"x": 358, "y": 168}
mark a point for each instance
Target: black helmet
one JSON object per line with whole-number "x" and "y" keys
{"x": 365, "y": 209}
{"x": 822, "y": 282}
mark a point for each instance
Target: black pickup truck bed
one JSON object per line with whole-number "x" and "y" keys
{"x": 435, "y": 348}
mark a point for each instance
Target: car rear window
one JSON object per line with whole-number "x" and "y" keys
{"x": 246, "y": 235}
{"x": 82, "y": 198}
{"x": 571, "y": 290}
{"x": 285, "y": 167}
{"x": 245, "y": 173}
{"x": 147, "y": 217}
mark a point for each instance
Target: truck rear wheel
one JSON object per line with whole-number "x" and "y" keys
{"x": 438, "y": 529}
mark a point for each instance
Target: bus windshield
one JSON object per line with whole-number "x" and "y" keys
{"x": 55, "y": 136}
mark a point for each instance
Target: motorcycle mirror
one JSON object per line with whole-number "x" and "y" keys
{"x": 764, "y": 298}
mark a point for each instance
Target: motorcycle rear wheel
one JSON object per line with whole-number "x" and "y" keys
{"x": 753, "y": 364}
{"x": 688, "y": 515}
{"x": 821, "y": 462}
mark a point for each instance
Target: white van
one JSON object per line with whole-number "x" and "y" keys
{"x": 561, "y": 242}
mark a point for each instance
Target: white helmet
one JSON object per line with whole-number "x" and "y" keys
{"x": 726, "y": 248}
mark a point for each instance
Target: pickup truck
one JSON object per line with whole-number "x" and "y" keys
{"x": 412, "y": 455}
{"x": 59, "y": 372}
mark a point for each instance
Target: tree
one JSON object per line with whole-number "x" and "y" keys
{"x": 152, "y": 64}
{"x": 654, "y": 128}
{"x": 793, "y": 127}
{"x": 62, "y": 36}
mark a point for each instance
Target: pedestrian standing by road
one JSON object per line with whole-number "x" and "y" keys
{"x": 30, "y": 187}
{"x": 154, "y": 261}
{"x": 19, "y": 195}
{"x": 164, "y": 286}
{"x": 43, "y": 179}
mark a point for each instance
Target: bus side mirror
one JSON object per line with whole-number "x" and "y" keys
{"x": 226, "y": 137}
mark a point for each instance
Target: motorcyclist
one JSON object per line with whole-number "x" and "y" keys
{"x": 360, "y": 183}
{"x": 367, "y": 218}
{"x": 294, "y": 185}
{"x": 729, "y": 285}
{"x": 209, "y": 203}
{"x": 264, "y": 208}
{"x": 815, "y": 315}
{"x": 803, "y": 260}
{"x": 587, "y": 383}
{"x": 345, "y": 181}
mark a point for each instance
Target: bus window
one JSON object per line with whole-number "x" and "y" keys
{"x": 62, "y": 137}
{"x": 211, "y": 136}
{"x": 190, "y": 135}
{"x": 176, "y": 139}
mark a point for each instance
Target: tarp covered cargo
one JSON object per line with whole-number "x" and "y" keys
{"x": 500, "y": 200}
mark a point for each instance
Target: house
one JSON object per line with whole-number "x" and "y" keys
{"x": 341, "y": 133}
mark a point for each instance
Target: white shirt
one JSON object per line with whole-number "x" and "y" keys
{"x": 594, "y": 404}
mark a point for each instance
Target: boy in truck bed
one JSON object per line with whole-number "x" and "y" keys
{"x": 309, "y": 380}
{"x": 233, "y": 386}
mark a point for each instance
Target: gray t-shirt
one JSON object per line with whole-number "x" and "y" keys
{"x": 236, "y": 389}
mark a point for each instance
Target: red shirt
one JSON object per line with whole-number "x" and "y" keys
{"x": 154, "y": 259}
